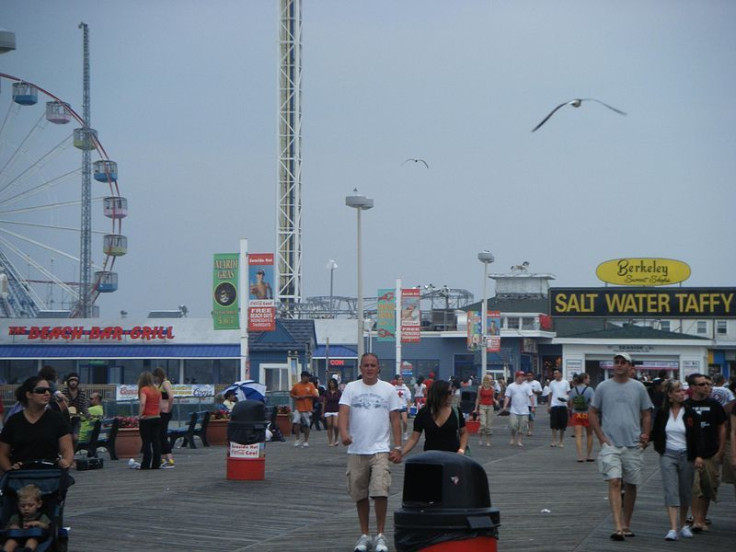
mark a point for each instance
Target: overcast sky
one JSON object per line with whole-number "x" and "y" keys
{"x": 184, "y": 97}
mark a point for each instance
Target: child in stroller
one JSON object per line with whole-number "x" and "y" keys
{"x": 30, "y": 502}
{"x": 41, "y": 491}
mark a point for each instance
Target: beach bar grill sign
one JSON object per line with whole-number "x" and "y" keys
{"x": 638, "y": 271}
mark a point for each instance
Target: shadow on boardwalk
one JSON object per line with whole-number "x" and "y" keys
{"x": 303, "y": 505}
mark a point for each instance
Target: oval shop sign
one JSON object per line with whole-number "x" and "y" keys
{"x": 638, "y": 271}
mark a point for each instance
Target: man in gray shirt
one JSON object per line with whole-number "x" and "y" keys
{"x": 620, "y": 415}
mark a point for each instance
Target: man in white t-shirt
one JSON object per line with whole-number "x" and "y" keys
{"x": 368, "y": 418}
{"x": 518, "y": 403}
{"x": 537, "y": 390}
{"x": 559, "y": 391}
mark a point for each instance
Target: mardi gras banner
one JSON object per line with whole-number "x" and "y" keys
{"x": 225, "y": 291}
{"x": 386, "y": 313}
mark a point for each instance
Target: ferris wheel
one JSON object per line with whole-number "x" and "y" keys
{"x": 42, "y": 216}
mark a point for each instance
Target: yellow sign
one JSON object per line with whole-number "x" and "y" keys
{"x": 637, "y": 271}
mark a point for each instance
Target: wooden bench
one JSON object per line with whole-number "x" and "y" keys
{"x": 197, "y": 427}
{"x": 106, "y": 437}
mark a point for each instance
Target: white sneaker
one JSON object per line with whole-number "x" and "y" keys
{"x": 305, "y": 445}
{"x": 671, "y": 535}
{"x": 379, "y": 543}
{"x": 298, "y": 443}
{"x": 133, "y": 465}
{"x": 686, "y": 532}
{"x": 363, "y": 544}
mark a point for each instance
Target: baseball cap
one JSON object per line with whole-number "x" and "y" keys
{"x": 519, "y": 373}
{"x": 625, "y": 356}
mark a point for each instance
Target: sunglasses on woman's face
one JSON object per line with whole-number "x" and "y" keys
{"x": 42, "y": 390}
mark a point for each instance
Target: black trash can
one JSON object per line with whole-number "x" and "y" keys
{"x": 446, "y": 506}
{"x": 246, "y": 435}
{"x": 467, "y": 400}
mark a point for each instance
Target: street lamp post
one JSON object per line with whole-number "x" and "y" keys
{"x": 486, "y": 257}
{"x": 360, "y": 203}
{"x": 331, "y": 266}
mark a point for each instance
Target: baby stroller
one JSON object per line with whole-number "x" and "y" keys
{"x": 53, "y": 483}
{"x": 273, "y": 427}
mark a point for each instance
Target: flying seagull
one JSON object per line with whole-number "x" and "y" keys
{"x": 416, "y": 161}
{"x": 576, "y": 103}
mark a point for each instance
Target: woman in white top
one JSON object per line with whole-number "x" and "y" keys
{"x": 677, "y": 438}
{"x": 420, "y": 391}
{"x": 405, "y": 396}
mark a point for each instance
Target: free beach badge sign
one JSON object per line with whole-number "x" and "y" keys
{"x": 639, "y": 271}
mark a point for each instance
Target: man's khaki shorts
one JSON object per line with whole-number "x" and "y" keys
{"x": 368, "y": 475}
{"x": 705, "y": 484}
{"x": 624, "y": 463}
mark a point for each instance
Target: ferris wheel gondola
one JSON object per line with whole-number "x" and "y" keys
{"x": 40, "y": 205}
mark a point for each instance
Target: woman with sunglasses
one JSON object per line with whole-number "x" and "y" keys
{"x": 37, "y": 432}
{"x": 443, "y": 424}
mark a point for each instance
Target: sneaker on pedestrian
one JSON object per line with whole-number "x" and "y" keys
{"x": 167, "y": 464}
{"x": 363, "y": 544}
{"x": 686, "y": 532}
{"x": 298, "y": 443}
{"x": 305, "y": 445}
{"x": 671, "y": 535}
{"x": 379, "y": 543}
{"x": 133, "y": 465}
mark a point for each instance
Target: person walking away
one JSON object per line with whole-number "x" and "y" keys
{"x": 420, "y": 391}
{"x": 519, "y": 399}
{"x": 149, "y": 423}
{"x": 332, "y": 407}
{"x": 677, "y": 438}
{"x": 580, "y": 396}
{"x": 368, "y": 420}
{"x": 537, "y": 390}
{"x": 442, "y": 422}
{"x": 713, "y": 426}
{"x": 167, "y": 407}
{"x": 303, "y": 393}
{"x": 557, "y": 407}
{"x": 620, "y": 415}
{"x": 485, "y": 401}
{"x": 405, "y": 397}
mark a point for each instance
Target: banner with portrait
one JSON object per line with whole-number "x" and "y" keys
{"x": 493, "y": 329}
{"x": 261, "y": 304}
{"x": 386, "y": 314}
{"x": 410, "y": 315}
{"x": 474, "y": 330}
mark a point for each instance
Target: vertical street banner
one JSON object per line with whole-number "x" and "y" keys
{"x": 474, "y": 330}
{"x": 225, "y": 291}
{"x": 261, "y": 305}
{"x": 386, "y": 313}
{"x": 410, "y": 315}
{"x": 494, "y": 332}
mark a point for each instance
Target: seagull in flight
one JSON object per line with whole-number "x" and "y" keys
{"x": 576, "y": 103}
{"x": 416, "y": 161}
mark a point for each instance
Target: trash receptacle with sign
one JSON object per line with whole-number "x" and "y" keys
{"x": 246, "y": 435}
{"x": 446, "y": 506}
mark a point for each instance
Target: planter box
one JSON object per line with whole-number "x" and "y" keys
{"x": 284, "y": 423}
{"x": 217, "y": 431}
{"x": 128, "y": 442}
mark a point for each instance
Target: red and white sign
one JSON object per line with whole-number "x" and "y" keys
{"x": 410, "y": 316}
{"x": 261, "y": 319}
{"x": 256, "y": 450}
{"x": 92, "y": 333}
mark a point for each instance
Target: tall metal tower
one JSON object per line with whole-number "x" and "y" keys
{"x": 84, "y": 309}
{"x": 289, "y": 200}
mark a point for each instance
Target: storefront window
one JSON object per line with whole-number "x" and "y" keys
{"x": 211, "y": 370}
{"x": 14, "y": 372}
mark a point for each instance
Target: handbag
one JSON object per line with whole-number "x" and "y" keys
{"x": 457, "y": 419}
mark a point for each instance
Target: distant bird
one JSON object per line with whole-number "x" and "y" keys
{"x": 576, "y": 103}
{"x": 416, "y": 161}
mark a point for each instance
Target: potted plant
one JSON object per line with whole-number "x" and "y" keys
{"x": 128, "y": 441}
{"x": 283, "y": 419}
{"x": 217, "y": 427}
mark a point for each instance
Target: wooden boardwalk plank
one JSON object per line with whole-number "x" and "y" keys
{"x": 303, "y": 504}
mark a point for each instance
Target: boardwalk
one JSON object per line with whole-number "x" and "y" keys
{"x": 302, "y": 504}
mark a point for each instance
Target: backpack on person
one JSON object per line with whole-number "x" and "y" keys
{"x": 579, "y": 402}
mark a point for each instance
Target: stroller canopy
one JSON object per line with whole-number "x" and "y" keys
{"x": 248, "y": 389}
